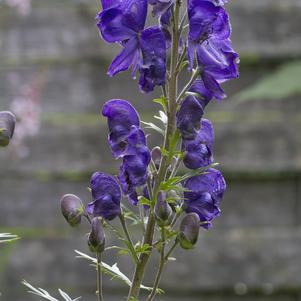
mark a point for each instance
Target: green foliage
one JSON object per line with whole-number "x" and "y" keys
{"x": 142, "y": 249}
{"x": 163, "y": 101}
{"x": 150, "y": 125}
{"x": 283, "y": 83}
{"x": 112, "y": 271}
{"x": 45, "y": 295}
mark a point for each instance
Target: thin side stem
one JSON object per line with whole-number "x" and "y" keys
{"x": 195, "y": 74}
{"x": 127, "y": 234}
{"x": 99, "y": 278}
{"x": 161, "y": 267}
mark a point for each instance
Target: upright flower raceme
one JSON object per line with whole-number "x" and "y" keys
{"x": 127, "y": 141}
{"x": 144, "y": 49}
{"x": 203, "y": 195}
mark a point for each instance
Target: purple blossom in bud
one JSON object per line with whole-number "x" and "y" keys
{"x": 106, "y": 196}
{"x": 189, "y": 231}
{"x": 156, "y": 155}
{"x": 199, "y": 151}
{"x": 97, "y": 238}
{"x": 72, "y": 209}
{"x": 121, "y": 116}
{"x": 203, "y": 195}
{"x": 143, "y": 49}
{"x": 7, "y": 127}
{"x": 163, "y": 211}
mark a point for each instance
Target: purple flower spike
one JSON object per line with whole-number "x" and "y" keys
{"x": 122, "y": 116}
{"x": 189, "y": 117}
{"x": 204, "y": 195}
{"x": 106, "y": 196}
{"x": 199, "y": 151}
{"x": 160, "y": 6}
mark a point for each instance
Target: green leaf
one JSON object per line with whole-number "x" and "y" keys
{"x": 143, "y": 249}
{"x": 113, "y": 271}
{"x": 144, "y": 201}
{"x": 163, "y": 101}
{"x": 283, "y": 83}
{"x": 150, "y": 125}
{"x": 45, "y": 295}
{"x": 7, "y": 237}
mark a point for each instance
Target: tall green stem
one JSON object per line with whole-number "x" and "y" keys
{"x": 170, "y": 129}
{"x": 99, "y": 278}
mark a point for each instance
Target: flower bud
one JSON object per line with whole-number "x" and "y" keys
{"x": 163, "y": 210}
{"x": 97, "y": 238}
{"x": 156, "y": 155}
{"x": 189, "y": 231}
{"x": 72, "y": 209}
{"x": 7, "y": 127}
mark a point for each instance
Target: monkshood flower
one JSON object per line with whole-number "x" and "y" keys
{"x": 209, "y": 41}
{"x": 106, "y": 196}
{"x": 127, "y": 141}
{"x": 122, "y": 117}
{"x": 144, "y": 49}
{"x": 133, "y": 171}
{"x": 199, "y": 151}
{"x": 189, "y": 117}
{"x": 203, "y": 195}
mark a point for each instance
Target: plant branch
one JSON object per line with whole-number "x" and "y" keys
{"x": 127, "y": 234}
{"x": 99, "y": 278}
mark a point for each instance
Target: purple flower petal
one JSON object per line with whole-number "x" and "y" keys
{"x": 199, "y": 151}
{"x": 189, "y": 117}
{"x": 153, "y": 65}
{"x": 128, "y": 57}
{"x": 204, "y": 195}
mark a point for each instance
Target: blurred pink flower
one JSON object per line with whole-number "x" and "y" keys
{"x": 23, "y": 7}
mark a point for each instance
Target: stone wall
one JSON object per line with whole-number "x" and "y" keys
{"x": 254, "y": 250}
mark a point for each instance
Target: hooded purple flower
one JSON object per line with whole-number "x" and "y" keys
{"x": 189, "y": 117}
{"x": 209, "y": 41}
{"x": 123, "y": 22}
{"x": 204, "y": 194}
{"x": 199, "y": 151}
{"x": 106, "y": 196}
{"x": 160, "y": 6}
{"x": 122, "y": 119}
{"x": 133, "y": 171}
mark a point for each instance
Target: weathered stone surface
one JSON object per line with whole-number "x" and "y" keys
{"x": 67, "y": 30}
{"x": 34, "y": 203}
{"x": 239, "y": 261}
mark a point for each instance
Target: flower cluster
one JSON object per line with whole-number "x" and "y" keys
{"x": 142, "y": 48}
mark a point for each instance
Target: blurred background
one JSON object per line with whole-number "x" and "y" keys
{"x": 53, "y": 77}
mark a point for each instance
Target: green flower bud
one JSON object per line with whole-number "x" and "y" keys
{"x": 7, "y": 127}
{"x": 72, "y": 209}
{"x": 97, "y": 238}
{"x": 189, "y": 231}
{"x": 163, "y": 211}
